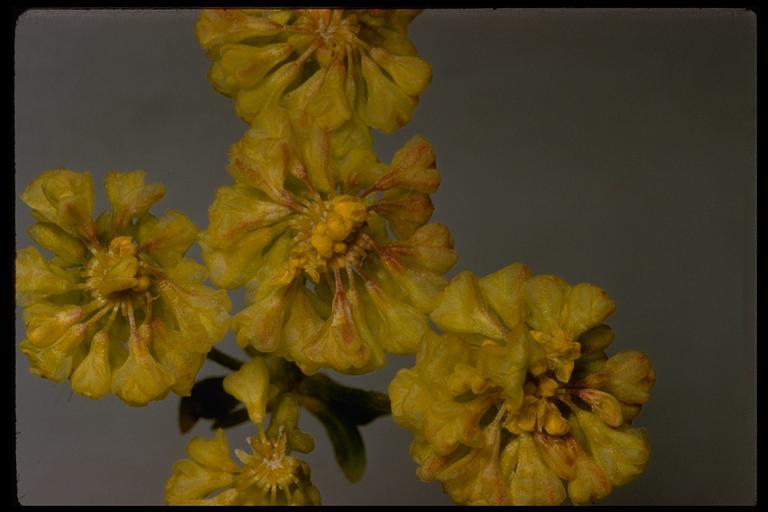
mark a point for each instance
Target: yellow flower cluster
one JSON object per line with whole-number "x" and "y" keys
{"x": 118, "y": 307}
{"x": 519, "y": 395}
{"x": 335, "y": 65}
{"x": 333, "y": 246}
{"x": 269, "y": 475}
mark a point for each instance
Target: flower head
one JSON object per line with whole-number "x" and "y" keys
{"x": 328, "y": 63}
{"x": 519, "y": 395}
{"x": 117, "y": 307}
{"x": 339, "y": 263}
{"x": 268, "y": 476}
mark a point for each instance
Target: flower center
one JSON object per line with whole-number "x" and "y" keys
{"x": 116, "y": 273}
{"x": 331, "y": 30}
{"x": 328, "y": 236}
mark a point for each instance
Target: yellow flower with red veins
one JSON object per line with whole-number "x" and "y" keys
{"x": 339, "y": 263}
{"x": 519, "y": 395}
{"x": 117, "y": 307}
{"x": 333, "y": 64}
{"x": 268, "y": 476}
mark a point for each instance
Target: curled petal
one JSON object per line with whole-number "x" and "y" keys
{"x": 166, "y": 239}
{"x": 586, "y": 307}
{"x": 93, "y": 376}
{"x": 250, "y": 385}
{"x": 621, "y": 452}
{"x": 37, "y": 278}
{"x": 191, "y": 482}
{"x": 627, "y": 375}
{"x": 429, "y": 247}
{"x": 69, "y": 249}
{"x": 462, "y": 309}
{"x": 399, "y": 326}
{"x": 406, "y": 212}
{"x": 411, "y": 74}
{"x": 412, "y": 168}
{"x": 56, "y": 361}
{"x": 64, "y": 198}
{"x": 216, "y": 27}
{"x": 386, "y": 106}
{"x": 533, "y": 483}
{"x": 141, "y": 379}
{"x": 129, "y": 196}
{"x": 242, "y": 66}
{"x": 504, "y": 291}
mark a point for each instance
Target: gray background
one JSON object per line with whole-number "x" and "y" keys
{"x": 615, "y": 147}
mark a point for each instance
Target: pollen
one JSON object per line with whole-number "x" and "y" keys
{"x": 327, "y": 235}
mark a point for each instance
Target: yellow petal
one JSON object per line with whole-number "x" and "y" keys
{"x": 462, "y": 309}
{"x": 412, "y": 168}
{"x": 141, "y": 379}
{"x": 358, "y": 169}
{"x": 399, "y": 326}
{"x": 386, "y": 107}
{"x": 216, "y": 27}
{"x": 421, "y": 287}
{"x": 410, "y": 73}
{"x": 449, "y": 423}
{"x": 198, "y": 310}
{"x": 621, "y": 452}
{"x": 303, "y": 320}
{"x": 93, "y": 377}
{"x": 406, "y": 212}
{"x": 590, "y": 482}
{"x": 260, "y": 324}
{"x": 237, "y": 210}
{"x": 627, "y": 375}
{"x": 344, "y": 343}
{"x": 52, "y": 238}
{"x": 56, "y": 361}
{"x": 504, "y": 291}
{"x": 234, "y": 265}
{"x": 166, "y": 239}
{"x": 190, "y": 483}
{"x": 261, "y": 163}
{"x": 241, "y": 66}
{"x": 410, "y": 398}
{"x": 533, "y": 483}
{"x": 545, "y": 298}
{"x": 313, "y": 144}
{"x": 250, "y": 385}
{"x": 37, "y": 278}
{"x": 323, "y": 97}
{"x": 249, "y": 103}
{"x": 181, "y": 355}
{"x": 46, "y": 322}
{"x": 129, "y": 196}
{"x": 64, "y": 198}
{"x": 429, "y": 247}
{"x": 212, "y": 453}
{"x": 476, "y": 478}
{"x": 586, "y": 306}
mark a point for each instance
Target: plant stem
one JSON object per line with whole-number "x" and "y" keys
{"x": 224, "y": 360}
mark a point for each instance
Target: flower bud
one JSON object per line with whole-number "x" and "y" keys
{"x": 627, "y": 375}
{"x": 250, "y": 385}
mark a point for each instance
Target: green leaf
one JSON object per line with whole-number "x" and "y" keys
{"x": 346, "y": 440}
{"x": 357, "y": 406}
{"x": 231, "y": 419}
{"x": 206, "y": 400}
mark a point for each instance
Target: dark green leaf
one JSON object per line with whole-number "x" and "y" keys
{"x": 231, "y": 419}
{"x": 357, "y": 406}
{"x": 207, "y": 400}
{"x": 347, "y": 443}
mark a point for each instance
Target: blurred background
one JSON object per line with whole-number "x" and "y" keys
{"x": 615, "y": 147}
